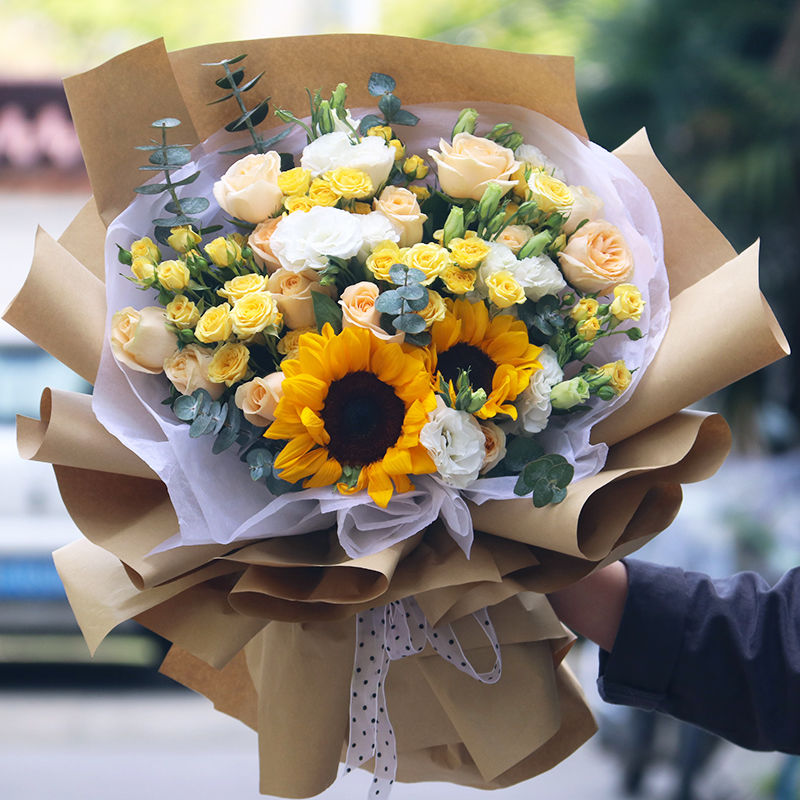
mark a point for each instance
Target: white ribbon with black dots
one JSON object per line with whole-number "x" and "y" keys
{"x": 385, "y": 634}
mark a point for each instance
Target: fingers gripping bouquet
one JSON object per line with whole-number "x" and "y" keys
{"x": 373, "y": 378}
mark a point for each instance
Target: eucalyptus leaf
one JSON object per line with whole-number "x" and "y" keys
{"x": 254, "y": 116}
{"x": 418, "y": 305}
{"x": 171, "y": 156}
{"x": 186, "y": 407}
{"x": 151, "y": 188}
{"x": 166, "y": 122}
{"x": 558, "y": 495}
{"x": 413, "y": 291}
{"x": 418, "y": 339}
{"x": 172, "y": 222}
{"x": 187, "y": 180}
{"x": 251, "y": 83}
{"x": 416, "y": 275}
{"x": 326, "y": 310}
{"x": 229, "y": 81}
{"x": 260, "y": 462}
{"x": 403, "y": 117}
{"x": 522, "y": 487}
{"x": 397, "y": 274}
{"x": 188, "y": 205}
{"x": 410, "y": 323}
{"x": 202, "y": 425}
{"x": 380, "y": 83}
{"x": 223, "y": 98}
{"x": 278, "y": 486}
{"x": 542, "y": 494}
{"x": 370, "y": 121}
{"x": 389, "y": 302}
{"x": 224, "y": 61}
{"x": 389, "y": 106}
{"x": 520, "y": 451}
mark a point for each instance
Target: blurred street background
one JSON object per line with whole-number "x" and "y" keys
{"x": 716, "y": 84}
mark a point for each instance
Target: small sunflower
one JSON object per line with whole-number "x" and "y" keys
{"x": 496, "y": 351}
{"x": 353, "y": 401}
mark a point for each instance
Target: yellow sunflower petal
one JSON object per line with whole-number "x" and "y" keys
{"x": 315, "y": 427}
{"x": 379, "y": 484}
{"x": 305, "y": 390}
{"x": 303, "y": 466}
{"x": 328, "y": 473}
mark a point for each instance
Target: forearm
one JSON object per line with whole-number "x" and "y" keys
{"x": 593, "y": 606}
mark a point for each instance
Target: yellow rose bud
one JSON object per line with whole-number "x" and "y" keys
{"x": 254, "y": 313}
{"x": 588, "y": 328}
{"x": 550, "y": 193}
{"x": 229, "y": 364}
{"x": 435, "y": 311}
{"x": 585, "y": 307}
{"x": 215, "y": 325}
{"x": 627, "y": 303}
{"x": 468, "y": 253}
{"x": 415, "y": 168}
{"x": 384, "y": 131}
{"x": 224, "y": 251}
{"x": 350, "y": 183}
{"x": 504, "y": 289}
{"x": 321, "y": 194}
{"x": 619, "y": 375}
{"x": 432, "y": 259}
{"x": 457, "y": 280}
{"x": 236, "y": 288}
{"x": 183, "y": 238}
{"x": 521, "y": 187}
{"x": 422, "y": 192}
{"x": 299, "y": 202}
{"x": 289, "y": 345}
{"x": 399, "y": 148}
{"x": 182, "y": 312}
{"x": 362, "y": 208}
{"x": 380, "y": 261}
{"x": 173, "y": 275}
{"x": 145, "y": 248}
{"x": 143, "y": 270}
{"x": 294, "y": 181}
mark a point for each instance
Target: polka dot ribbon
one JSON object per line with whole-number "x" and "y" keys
{"x": 385, "y": 634}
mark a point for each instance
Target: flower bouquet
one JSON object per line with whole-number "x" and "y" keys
{"x": 369, "y": 379}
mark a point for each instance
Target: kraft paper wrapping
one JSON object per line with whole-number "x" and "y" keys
{"x": 265, "y": 628}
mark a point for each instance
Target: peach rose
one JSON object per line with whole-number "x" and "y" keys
{"x": 249, "y": 189}
{"x": 140, "y": 339}
{"x": 259, "y": 244}
{"x": 596, "y": 258}
{"x": 515, "y": 236}
{"x": 401, "y": 208}
{"x": 358, "y": 311}
{"x": 187, "y": 370}
{"x": 292, "y": 291}
{"x": 468, "y": 165}
{"x": 259, "y": 398}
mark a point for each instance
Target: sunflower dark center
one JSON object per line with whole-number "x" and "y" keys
{"x": 364, "y": 418}
{"x": 467, "y": 357}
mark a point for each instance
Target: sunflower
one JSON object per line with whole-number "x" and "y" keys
{"x": 496, "y": 352}
{"x": 353, "y": 405}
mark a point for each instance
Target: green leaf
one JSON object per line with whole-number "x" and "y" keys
{"x": 166, "y": 122}
{"x": 278, "y": 486}
{"x": 520, "y": 451}
{"x": 389, "y": 302}
{"x": 389, "y": 106}
{"x": 410, "y": 323}
{"x": 522, "y": 487}
{"x": 229, "y": 431}
{"x": 558, "y": 495}
{"x": 403, "y": 117}
{"x": 222, "y": 99}
{"x": 326, "y": 310}
{"x": 634, "y": 334}
{"x": 380, "y": 83}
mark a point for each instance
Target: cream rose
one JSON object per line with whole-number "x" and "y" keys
{"x": 259, "y": 398}
{"x": 292, "y": 292}
{"x": 515, "y": 236}
{"x": 140, "y": 339}
{"x": 259, "y": 244}
{"x": 585, "y": 205}
{"x": 495, "y": 444}
{"x": 187, "y": 370}
{"x": 358, "y": 311}
{"x": 401, "y": 208}
{"x": 468, "y": 165}
{"x": 249, "y": 189}
{"x": 596, "y": 258}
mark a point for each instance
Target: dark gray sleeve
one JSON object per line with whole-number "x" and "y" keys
{"x": 721, "y": 654}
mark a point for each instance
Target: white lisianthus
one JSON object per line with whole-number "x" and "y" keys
{"x": 533, "y": 404}
{"x": 306, "y": 241}
{"x": 339, "y": 125}
{"x": 372, "y": 155}
{"x": 375, "y": 228}
{"x": 537, "y": 275}
{"x": 532, "y": 155}
{"x": 455, "y": 442}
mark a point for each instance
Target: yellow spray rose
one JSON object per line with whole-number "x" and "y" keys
{"x": 550, "y": 193}
{"x": 627, "y": 302}
{"x": 384, "y": 131}
{"x": 183, "y": 238}
{"x": 236, "y": 288}
{"x": 432, "y": 259}
{"x": 300, "y": 202}
{"x": 585, "y": 307}
{"x": 254, "y": 313}
{"x": 173, "y": 275}
{"x": 182, "y": 313}
{"x": 514, "y": 237}
{"x": 294, "y": 181}
{"x": 436, "y": 309}
{"x": 457, "y": 280}
{"x": 399, "y": 148}
{"x": 381, "y": 259}
{"x": 224, "y": 251}
{"x": 504, "y": 289}
{"x": 588, "y": 328}
{"x": 289, "y": 345}
{"x": 350, "y": 183}
{"x": 321, "y": 194}
{"x": 215, "y": 325}
{"x": 415, "y": 168}
{"x": 229, "y": 364}
{"x": 145, "y": 248}
{"x": 143, "y": 270}
{"x": 422, "y": 193}
{"x": 619, "y": 375}
{"x": 468, "y": 253}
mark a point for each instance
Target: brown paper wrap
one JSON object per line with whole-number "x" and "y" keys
{"x": 265, "y": 629}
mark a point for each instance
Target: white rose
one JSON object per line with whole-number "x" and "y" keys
{"x": 249, "y": 189}
{"x": 372, "y": 154}
{"x": 494, "y": 443}
{"x": 586, "y": 205}
{"x": 307, "y": 240}
{"x": 455, "y": 442}
{"x": 375, "y": 228}
{"x": 532, "y": 155}
{"x": 538, "y": 275}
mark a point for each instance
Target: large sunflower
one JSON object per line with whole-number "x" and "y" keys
{"x": 497, "y": 353}
{"x": 352, "y": 400}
